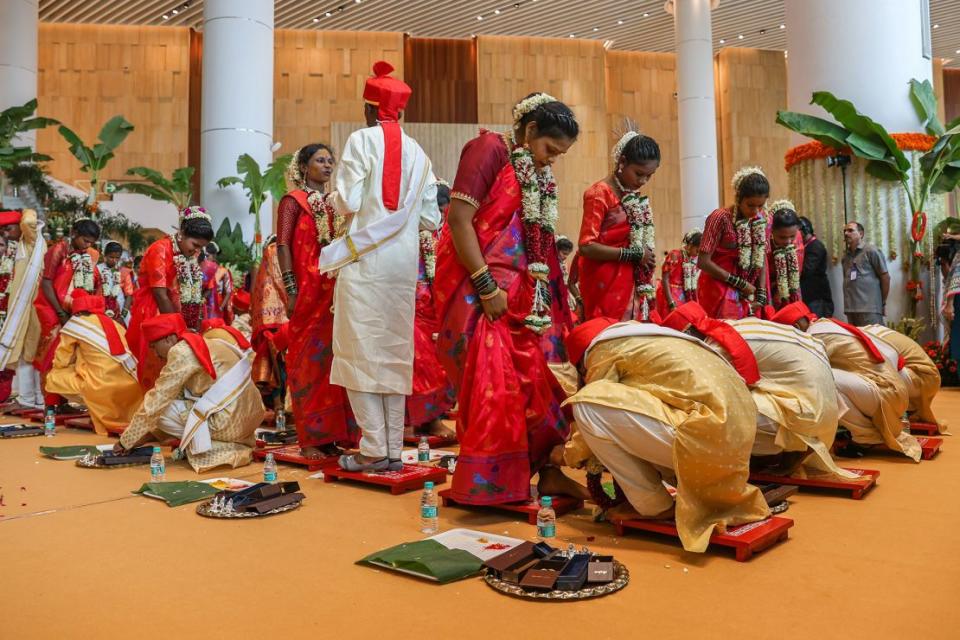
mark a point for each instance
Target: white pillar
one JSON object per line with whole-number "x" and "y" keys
{"x": 19, "y": 24}
{"x": 865, "y": 51}
{"x": 699, "y": 184}
{"x": 237, "y": 109}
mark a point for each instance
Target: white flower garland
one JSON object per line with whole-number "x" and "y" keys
{"x": 787, "y": 270}
{"x": 82, "y": 265}
{"x": 527, "y": 105}
{"x": 428, "y": 253}
{"x": 642, "y": 236}
{"x": 691, "y": 276}
{"x": 751, "y": 243}
{"x": 189, "y": 275}
{"x": 111, "y": 281}
{"x": 321, "y": 205}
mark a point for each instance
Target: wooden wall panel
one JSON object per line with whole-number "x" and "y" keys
{"x": 443, "y": 75}
{"x": 319, "y": 78}
{"x": 196, "y": 105}
{"x": 568, "y": 69}
{"x": 951, "y": 94}
{"x": 642, "y": 86}
{"x": 90, "y": 73}
{"x": 752, "y": 88}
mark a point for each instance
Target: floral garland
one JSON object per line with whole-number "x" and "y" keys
{"x": 691, "y": 276}
{"x": 527, "y": 105}
{"x": 539, "y": 215}
{"x": 82, "y": 264}
{"x": 816, "y": 150}
{"x": 328, "y": 221}
{"x": 190, "y": 278}
{"x": 111, "y": 287}
{"x": 428, "y": 252}
{"x": 7, "y": 261}
{"x": 787, "y": 270}
{"x": 751, "y": 245}
{"x": 642, "y": 236}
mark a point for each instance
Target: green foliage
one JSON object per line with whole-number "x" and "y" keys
{"x": 14, "y": 121}
{"x": 34, "y": 177}
{"x": 234, "y": 252}
{"x": 94, "y": 159}
{"x": 947, "y": 225}
{"x": 258, "y": 185}
{"x": 177, "y": 190}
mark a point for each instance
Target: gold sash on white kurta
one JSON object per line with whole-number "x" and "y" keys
{"x": 354, "y": 245}
{"x": 21, "y": 304}
{"x": 84, "y": 330}
{"x": 224, "y": 391}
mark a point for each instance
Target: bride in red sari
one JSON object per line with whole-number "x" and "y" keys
{"x": 617, "y": 251}
{"x": 497, "y": 269}
{"x": 679, "y": 275}
{"x": 171, "y": 281}
{"x": 733, "y": 251}
{"x": 306, "y": 222}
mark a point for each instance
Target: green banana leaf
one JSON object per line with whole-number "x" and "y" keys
{"x": 925, "y": 102}
{"x": 829, "y": 133}
{"x": 179, "y": 493}
{"x": 428, "y": 559}
{"x": 867, "y": 138}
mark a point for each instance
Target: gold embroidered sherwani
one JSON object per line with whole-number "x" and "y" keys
{"x": 686, "y": 385}
{"x": 182, "y": 381}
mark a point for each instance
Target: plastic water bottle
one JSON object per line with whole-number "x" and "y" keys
{"x": 546, "y": 519}
{"x": 270, "y": 469}
{"x": 50, "y": 423}
{"x": 280, "y": 424}
{"x": 428, "y": 510}
{"x": 158, "y": 467}
{"x": 423, "y": 451}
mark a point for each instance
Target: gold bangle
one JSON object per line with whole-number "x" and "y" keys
{"x": 479, "y": 271}
{"x": 492, "y": 294}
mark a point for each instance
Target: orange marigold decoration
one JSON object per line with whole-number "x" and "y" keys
{"x": 817, "y": 150}
{"x": 915, "y": 288}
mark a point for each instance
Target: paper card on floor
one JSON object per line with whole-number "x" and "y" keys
{"x": 479, "y": 543}
{"x": 228, "y": 484}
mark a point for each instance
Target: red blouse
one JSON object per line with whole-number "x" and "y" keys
{"x": 287, "y": 214}
{"x": 480, "y": 161}
{"x": 602, "y": 210}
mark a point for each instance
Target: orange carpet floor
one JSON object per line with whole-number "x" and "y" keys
{"x": 81, "y": 557}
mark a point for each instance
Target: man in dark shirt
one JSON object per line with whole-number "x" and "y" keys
{"x": 814, "y": 285}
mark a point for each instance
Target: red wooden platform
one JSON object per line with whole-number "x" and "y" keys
{"x": 59, "y": 419}
{"x": 435, "y": 442}
{"x": 290, "y": 453}
{"x": 412, "y": 477}
{"x": 561, "y": 505}
{"x": 857, "y": 488}
{"x": 746, "y": 539}
{"x": 929, "y": 447}
{"x": 924, "y": 429}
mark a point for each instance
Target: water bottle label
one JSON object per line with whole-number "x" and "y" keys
{"x": 270, "y": 476}
{"x": 156, "y": 469}
{"x": 547, "y": 530}
{"x": 423, "y": 456}
{"x": 428, "y": 512}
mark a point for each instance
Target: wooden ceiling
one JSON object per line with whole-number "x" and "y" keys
{"x": 640, "y": 25}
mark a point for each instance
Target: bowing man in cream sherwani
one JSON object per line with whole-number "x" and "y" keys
{"x": 204, "y": 397}
{"x": 658, "y": 403}
{"x": 20, "y": 332}
{"x": 918, "y": 371}
{"x": 387, "y": 193}
{"x": 93, "y": 365}
{"x": 868, "y": 383}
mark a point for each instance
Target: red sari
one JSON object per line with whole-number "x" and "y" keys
{"x": 509, "y": 415}
{"x": 432, "y": 393}
{"x": 607, "y": 287}
{"x": 671, "y": 275}
{"x": 321, "y": 410}
{"x": 157, "y": 270}
{"x": 771, "y": 277}
{"x": 719, "y": 241}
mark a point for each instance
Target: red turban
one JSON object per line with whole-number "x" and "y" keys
{"x": 218, "y": 323}
{"x": 580, "y": 338}
{"x": 720, "y": 332}
{"x": 241, "y": 300}
{"x": 390, "y": 96}
{"x": 10, "y": 217}
{"x": 95, "y": 304}
{"x": 281, "y": 337}
{"x": 791, "y": 313}
{"x": 167, "y": 324}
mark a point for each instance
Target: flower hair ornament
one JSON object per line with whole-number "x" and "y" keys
{"x": 193, "y": 212}
{"x": 529, "y": 105}
{"x": 213, "y": 245}
{"x": 689, "y": 235}
{"x": 779, "y": 205}
{"x": 442, "y": 182}
{"x": 293, "y": 173}
{"x": 740, "y": 175}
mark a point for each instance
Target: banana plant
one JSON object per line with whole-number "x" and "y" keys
{"x": 14, "y": 121}
{"x": 177, "y": 189}
{"x": 857, "y": 133}
{"x": 258, "y": 186}
{"x": 93, "y": 160}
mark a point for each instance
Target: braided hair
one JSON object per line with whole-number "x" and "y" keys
{"x": 554, "y": 119}
{"x": 640, "y": 149}
{"x": 752, "y": 185}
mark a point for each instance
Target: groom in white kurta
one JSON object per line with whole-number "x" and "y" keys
{"x": 385, "y": 188}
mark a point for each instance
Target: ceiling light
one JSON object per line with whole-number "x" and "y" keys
{"x": 646, "y": 15}
{"x": 166, "y": 17}
{"x": 740, "y": 37}
{"x": 572, "y": 35}
{"x": 328, "y": 14}
{"x": 936, "y": 26}
{"x": 596, "y": 28}
{"x": 957, "y": 51}
{"x": 175, "y": 11}
{"x": 479, "y": 17}
{"x": 619, "y": 21}
{"x": 762, "y": 31}
{"x": 783, "y": 26}
{"x": 316, "y": 19}
{"x": 496, "y": 12}
{"x": 722, "y": 40}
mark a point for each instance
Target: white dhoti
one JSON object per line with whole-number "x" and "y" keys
{"x": 29, "y": 392}
{"x": 636, "y": 449}
{"x": 863, "y": 400}
{"x": 380, "y": 417}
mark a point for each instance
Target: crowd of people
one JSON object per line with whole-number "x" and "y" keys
{"x": 387, "y": 299}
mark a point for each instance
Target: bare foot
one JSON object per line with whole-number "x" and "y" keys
{"x": 553, "y": 482}
{"x": 408, "y": 432}
{"x": 438, "y": 429}
{"x": 625, "y": 511}
{"x": 311, "y": 453}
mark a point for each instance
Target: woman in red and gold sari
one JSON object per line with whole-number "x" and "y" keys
{"x": 496, "y": 270}
{"x": 679, "y": 275}
{"x": 617, "y": 252}
{"x": 69, "y": 264}
{"x": 306, "y": 222}
{"x": 217, "y": 285}
{"x": 171, "y": 281}
{"x": 784, "y": 255}
{"x": 432, "y": 393}
{"x": 733, "y": 251}
{"x": 268, "y": 314}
